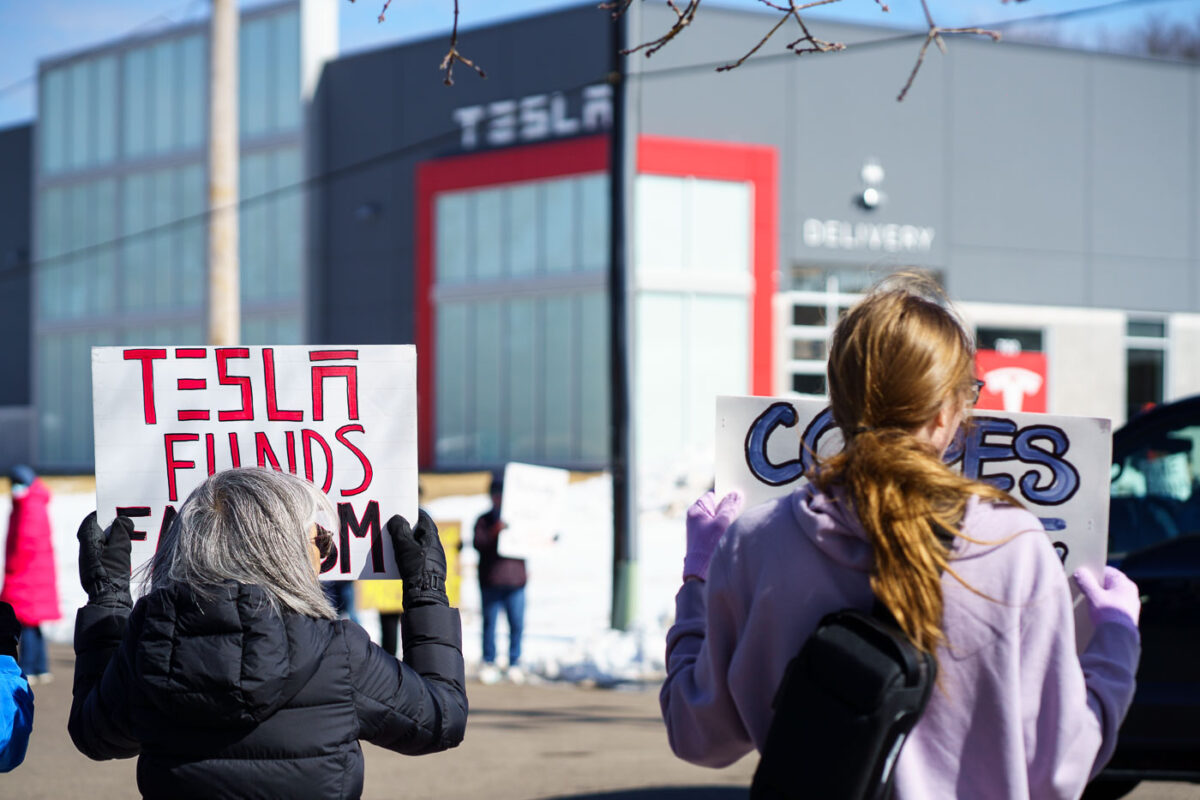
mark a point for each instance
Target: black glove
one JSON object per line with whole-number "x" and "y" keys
{"x": 421, "y": 561}
{"x": 104, "y": 563}
{"x": 10, "y": 631}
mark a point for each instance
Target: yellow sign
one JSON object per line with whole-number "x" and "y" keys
{"x": 387, "y": 596}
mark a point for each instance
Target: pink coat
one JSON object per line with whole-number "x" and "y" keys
{"x": 29, "y": 578}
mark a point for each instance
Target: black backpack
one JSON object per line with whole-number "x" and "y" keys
{"x": 843, "y": 710}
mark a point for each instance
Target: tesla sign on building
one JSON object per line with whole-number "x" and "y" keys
{"x": 1012, "y": 381}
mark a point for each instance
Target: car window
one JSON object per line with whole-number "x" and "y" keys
{"x": 1155, "y": 490}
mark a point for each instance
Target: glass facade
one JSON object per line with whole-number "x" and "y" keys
{"x": 691, "y": 315}
{"x": 121, "y": 196}
{"x": 521, "y": 355}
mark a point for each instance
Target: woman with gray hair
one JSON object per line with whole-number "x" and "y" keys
{"x": 232, "y": 676}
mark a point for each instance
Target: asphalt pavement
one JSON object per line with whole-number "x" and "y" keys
{"x": 532, "y": 742}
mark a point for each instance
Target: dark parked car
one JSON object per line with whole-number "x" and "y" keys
{"x": 1154, "y": 537}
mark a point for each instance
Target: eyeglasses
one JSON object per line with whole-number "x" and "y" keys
{"x": 324, "y": 542}
{"x": 978, "y": 387}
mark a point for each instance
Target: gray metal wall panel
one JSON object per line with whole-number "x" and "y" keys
{"x": 1140, "y": 141}
{"x": 1017, "y": 149}
{"x": 1139, "y": 283}
{"x": 16, "y": 246}
{"x": 1017, "y": 276}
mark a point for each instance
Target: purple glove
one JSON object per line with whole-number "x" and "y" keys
{"x": 706, "y": 522}
{"x": 1116, "y": 601}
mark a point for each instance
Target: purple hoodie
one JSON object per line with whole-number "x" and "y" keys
{"x": 1016, "y": 713}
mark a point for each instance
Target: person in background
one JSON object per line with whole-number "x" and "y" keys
{"x": 501, "y": 585}
{"x": 232, "y": 676}
{"x": 30, "y": 585}
{"x": 966, "y": 572}
{"x": 16, "y": 699}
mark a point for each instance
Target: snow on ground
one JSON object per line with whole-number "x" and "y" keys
{"x": 568, "y": 599}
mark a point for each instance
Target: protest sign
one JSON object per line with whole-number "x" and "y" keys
{"x": 1056, "y": 466}
{"x": 387, "y": 597}
{"x": 344, "y": 418}
{"x": 532, "y": 508}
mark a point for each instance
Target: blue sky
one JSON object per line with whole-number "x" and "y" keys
{"x": 44, "y": 28}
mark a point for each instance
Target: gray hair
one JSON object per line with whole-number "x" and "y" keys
{"x": 248, "y": 525}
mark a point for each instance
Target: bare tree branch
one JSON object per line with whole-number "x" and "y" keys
{"x": 935, "y": 35}
{"x": 452, "y": 54}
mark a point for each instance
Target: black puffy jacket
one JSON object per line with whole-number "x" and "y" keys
{"x": 224, "y": 698}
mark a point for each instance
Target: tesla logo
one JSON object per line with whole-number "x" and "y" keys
{"x": 536, "y": 117}
{"x": 1012, "y": 381}
{"x": 1012, "y": 384}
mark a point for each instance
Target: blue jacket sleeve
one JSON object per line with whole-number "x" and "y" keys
{"x": 16, "y": 714}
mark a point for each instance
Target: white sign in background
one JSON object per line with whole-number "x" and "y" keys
{"x": 343, "y": 417}
{"x": 1056, "y": 466}
{"x": 532, "y": 508}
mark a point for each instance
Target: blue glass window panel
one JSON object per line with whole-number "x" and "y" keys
{"x": 106, "y": 110}
{"x": 135, "y": 204}
{"x": 593, "y": 223}
{"x": 163, "y": 239}
{"x": 452, "y": 368}
{"x": 558, "y": 364}
{"x": 255, "y": 226}
{"x": 166, "y": 93}
{"x": 594, "y": 378}
{"x": 288, "y": 232}
{"x": 287, "y": 71}
{"x": 193, "y": 95}
{"x": 52, "y": 119}
{"x": 488, "y": 351}
{"x": 520, "y": 370}
{"x": 660, "y": 229}
{"x": 51, "y": 369}
{"x": 288, "y": 329}
{"x": 51, "y": 231}
{"x": 253, "y": 62}
{"x": 102, "y": 289}
{"x": 489, "y": 234}
{"x": 452, "y": 220}
{"x": 193, "y": 236}
{"x": 522, "y": 230}
{"x": 80, "y": 105}
{"x": 559, "y": 225}
{"x": 136, "y": 102}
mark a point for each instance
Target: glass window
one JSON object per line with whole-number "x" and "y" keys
{"x": 286, "y": 92}
{"x": 660, "y": 364}
{"x": 808, "y": 315}
{"x": 288, "y": 329}
{"x": 162, "y": 239}
{"x": 808, "y": 349}
{"x": 1009, "y": 340}
{"x": 165, "y": 94}
{"x": 193, "y": 243}
{"x": 593, "y": 222}
{"x": 193, "y": 93}
{"x": 52, "y": 119}
{"x": 487, "y": 345}
{"x": 808, "y": 383}
{"x": 453, "y": 242}
{"x": 1154, "y": 488}
{"x": 105, "y": 132}
{"x": 522, "y": 228}
{"x": 51, "y": 393}
{"x": 1150, "y": 328}
{"x": 520, "y": 371}
{"x": 135, "y": 257}
{"x": 489, "y": 237}
{"x": 718, "y": 227}
{"x": 557, "y": 363}
{"x": 136, "y": 102}
{"x": 1144, "y": 380}
{"x": 594, "y": 378}
{"x": 254, "y": 177}
{"x": 81, "y": 98}
{"x": 559, "y": 225}
{"x": 453, "y": 371}
{"x": 80, "y": 221}
{"x": 253, "y": 62}
{"x": 104, "y": 285}
{"x": 288, "y": 233}
{"x": 659, "y": 236}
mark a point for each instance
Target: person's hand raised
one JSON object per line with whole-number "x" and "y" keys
{"x": 706, "y": 523}
{"x": 104, "y": 561}
{"x": 1117, "y": 600}
{"x": 420, "y": 559}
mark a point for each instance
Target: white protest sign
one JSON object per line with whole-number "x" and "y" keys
{"x": 343, "y": 417}
{"x": 532, "y": 508}
{"x": 1057, "y": 466}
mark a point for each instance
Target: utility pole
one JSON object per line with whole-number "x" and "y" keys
{"x": 624, "y": 496}
{"x": 224, "y": 312}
